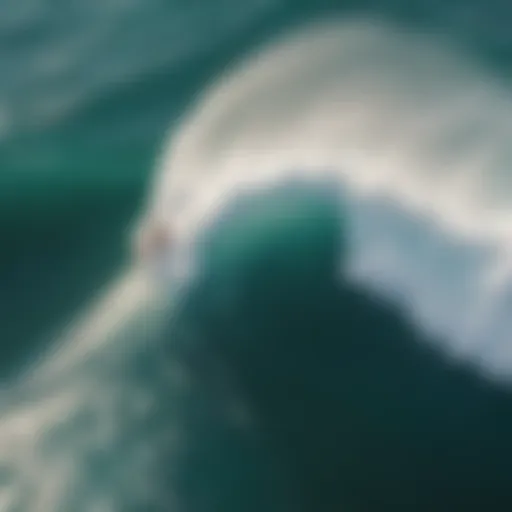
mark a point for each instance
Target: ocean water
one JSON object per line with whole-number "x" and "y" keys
{"x": 328, "y": 329}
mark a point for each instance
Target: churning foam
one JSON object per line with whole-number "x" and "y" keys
{"x": 417, "y": 138}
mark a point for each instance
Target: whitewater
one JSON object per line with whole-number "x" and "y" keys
{"x": 416, "y": 137}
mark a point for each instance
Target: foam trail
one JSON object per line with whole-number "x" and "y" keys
{"x": 68, "y": 406}
{"x": 126, "y": 304}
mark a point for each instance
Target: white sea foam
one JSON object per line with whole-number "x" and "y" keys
{"x": 416, "y": 134}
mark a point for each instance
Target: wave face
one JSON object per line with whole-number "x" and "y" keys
{"x": 414, "y": 136}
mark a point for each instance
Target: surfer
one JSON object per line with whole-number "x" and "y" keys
{"x": 152, "y": 240}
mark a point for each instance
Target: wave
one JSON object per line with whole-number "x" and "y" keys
{"x": 414, "y": 135}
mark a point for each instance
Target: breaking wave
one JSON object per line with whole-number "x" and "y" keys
{"x": 416, "y": 137}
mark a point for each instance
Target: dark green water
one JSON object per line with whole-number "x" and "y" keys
{"x": 300, "y": 401}
{"x": 337, "y": 391}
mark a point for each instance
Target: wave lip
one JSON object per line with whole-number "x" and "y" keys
{"x": 404, "y": 124}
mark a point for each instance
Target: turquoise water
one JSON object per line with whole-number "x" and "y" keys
{"x": 295, "y": 393}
